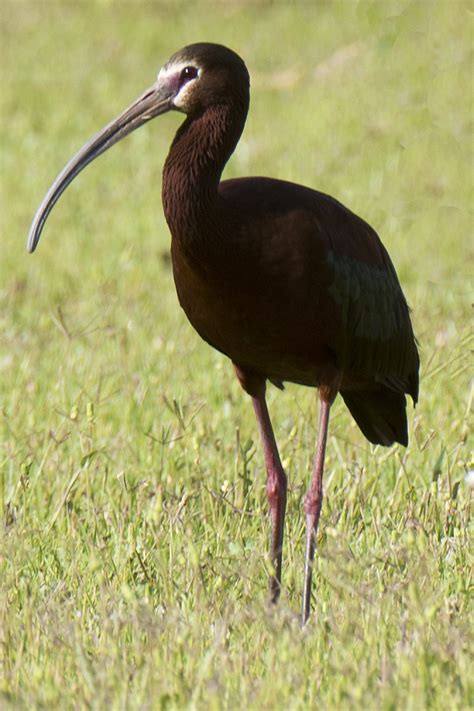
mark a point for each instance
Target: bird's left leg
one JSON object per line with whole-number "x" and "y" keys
{"x": 276, "y": 477}
{"x": 314, "y": 498}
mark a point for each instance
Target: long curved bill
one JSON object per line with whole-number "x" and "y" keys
{"x": 155, "y": 101}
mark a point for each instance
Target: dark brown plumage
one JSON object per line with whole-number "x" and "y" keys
{"x": 284, "y": 280}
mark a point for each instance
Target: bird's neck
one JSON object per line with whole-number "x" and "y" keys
{"x": 193, "y": 168}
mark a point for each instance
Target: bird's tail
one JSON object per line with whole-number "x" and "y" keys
{"x": 380, "y": 413}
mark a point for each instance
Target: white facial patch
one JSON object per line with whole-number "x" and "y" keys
{"x": 171, "y": 74}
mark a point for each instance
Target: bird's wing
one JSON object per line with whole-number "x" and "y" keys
{"x": 378, "y": 335}
{"x": 334, "y": 253}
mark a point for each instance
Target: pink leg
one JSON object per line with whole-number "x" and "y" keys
{"x": 276, "y": 489}
{"x": 312, "y": 506}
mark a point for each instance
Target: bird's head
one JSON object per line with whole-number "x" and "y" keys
{"x": 203, "y": 75}
{"x": 195, "y": 78}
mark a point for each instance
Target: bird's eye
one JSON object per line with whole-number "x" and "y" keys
{"x": 188, "y": 73}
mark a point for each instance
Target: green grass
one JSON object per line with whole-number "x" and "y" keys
{"x": 134, "y": 566}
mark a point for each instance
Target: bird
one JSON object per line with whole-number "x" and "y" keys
{"x": 284, "y": 280}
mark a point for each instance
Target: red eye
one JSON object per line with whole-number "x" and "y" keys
{"x": 188, "y": 73}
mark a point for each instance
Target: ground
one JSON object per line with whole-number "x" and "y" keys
{"x": 134, "y": 566}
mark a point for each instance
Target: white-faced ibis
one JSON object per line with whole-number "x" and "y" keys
{"x": 285, "y": 281}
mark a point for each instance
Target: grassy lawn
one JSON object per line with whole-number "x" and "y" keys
{"x": 135, "y": 530}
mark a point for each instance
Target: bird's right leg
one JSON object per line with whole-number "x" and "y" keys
{"x": 276, "y": 490}
{"x": 276, "y": 477}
